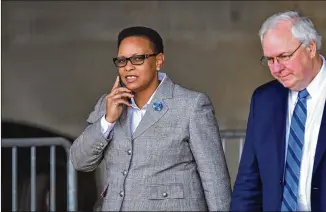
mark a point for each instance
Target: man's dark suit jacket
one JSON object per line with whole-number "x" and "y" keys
{"x": 259, "y": 184}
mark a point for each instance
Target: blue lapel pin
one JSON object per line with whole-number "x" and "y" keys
{"x": 157, "y": 106}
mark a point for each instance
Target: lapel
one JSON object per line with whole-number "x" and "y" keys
{"x": 321, "y": 143}
{"x": 124, "y": 121}
{"x": 164, "y": 91}
{"x": 280, "y": 117}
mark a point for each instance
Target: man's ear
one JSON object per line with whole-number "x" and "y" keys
{"x": 159, "y": 61}
{"x": 312, "y": 48}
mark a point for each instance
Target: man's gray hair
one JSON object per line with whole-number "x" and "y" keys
{"x": 302, "y": 27}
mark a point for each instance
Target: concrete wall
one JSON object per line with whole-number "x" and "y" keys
{"x": 56, "y": 55}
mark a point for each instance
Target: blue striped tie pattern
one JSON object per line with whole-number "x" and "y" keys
{"x": 294, "y": 153}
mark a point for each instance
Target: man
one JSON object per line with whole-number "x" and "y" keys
{"x": 283, "y": 165}
{"x": 159, "y": 141}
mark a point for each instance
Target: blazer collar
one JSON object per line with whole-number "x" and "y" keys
{"x": 164, "y": 91}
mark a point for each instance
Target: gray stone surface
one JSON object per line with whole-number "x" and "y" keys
{"x": 56, "y": 55}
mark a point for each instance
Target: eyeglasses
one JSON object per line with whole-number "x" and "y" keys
{"x": 280, "y": 59}
{"x": 135, "y": 59}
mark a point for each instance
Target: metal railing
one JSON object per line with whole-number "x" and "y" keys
{"x": 14, "y": 143}
{"x": 231, "y": 134}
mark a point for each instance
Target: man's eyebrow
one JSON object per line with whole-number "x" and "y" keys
{"x": 284, "y": 53}
{"x": 281, "y": 54}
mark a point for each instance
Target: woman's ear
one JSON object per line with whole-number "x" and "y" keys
{"x": 159, "y": 61}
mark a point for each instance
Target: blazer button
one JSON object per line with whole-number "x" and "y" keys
{"x": 129, "y": 152}
{"x": 124, "y": 173}
{"x": 165, "y": 194}
{"x": 121, "y": 193}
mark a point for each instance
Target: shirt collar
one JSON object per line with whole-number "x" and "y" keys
{"x": 314, "y": 87}
{"x": 161, "y": 77}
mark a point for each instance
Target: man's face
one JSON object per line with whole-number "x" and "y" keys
{"x": 295, "y": 73}
{"x": 139, "y": 77}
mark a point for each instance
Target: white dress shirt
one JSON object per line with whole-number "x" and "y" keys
{"x": 315, "y": 107}
{"x": 134, "y": 112}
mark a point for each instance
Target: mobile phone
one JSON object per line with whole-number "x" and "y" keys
{"x": 123, "y": 85}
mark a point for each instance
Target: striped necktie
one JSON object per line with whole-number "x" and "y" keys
{"x": 294, "y": 153}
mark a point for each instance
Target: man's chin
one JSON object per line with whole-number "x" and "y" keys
{"x": 290, "y": 85}
{"x": 286, "y": 84}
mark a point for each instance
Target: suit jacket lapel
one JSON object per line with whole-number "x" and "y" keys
{"x": 280, "y": 115}
{"x": 321, "y": 143}
{"x": 151, "y": 116}
{"x": 124, "y": 121}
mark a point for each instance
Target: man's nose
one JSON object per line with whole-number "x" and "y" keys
{"x": 276, "y": 66}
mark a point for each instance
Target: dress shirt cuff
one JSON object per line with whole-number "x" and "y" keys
{"x": 106, "y": 127}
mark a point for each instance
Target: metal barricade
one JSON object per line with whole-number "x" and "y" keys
{"x": 71, "y": 172}
{"x": 233, "y": 134}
